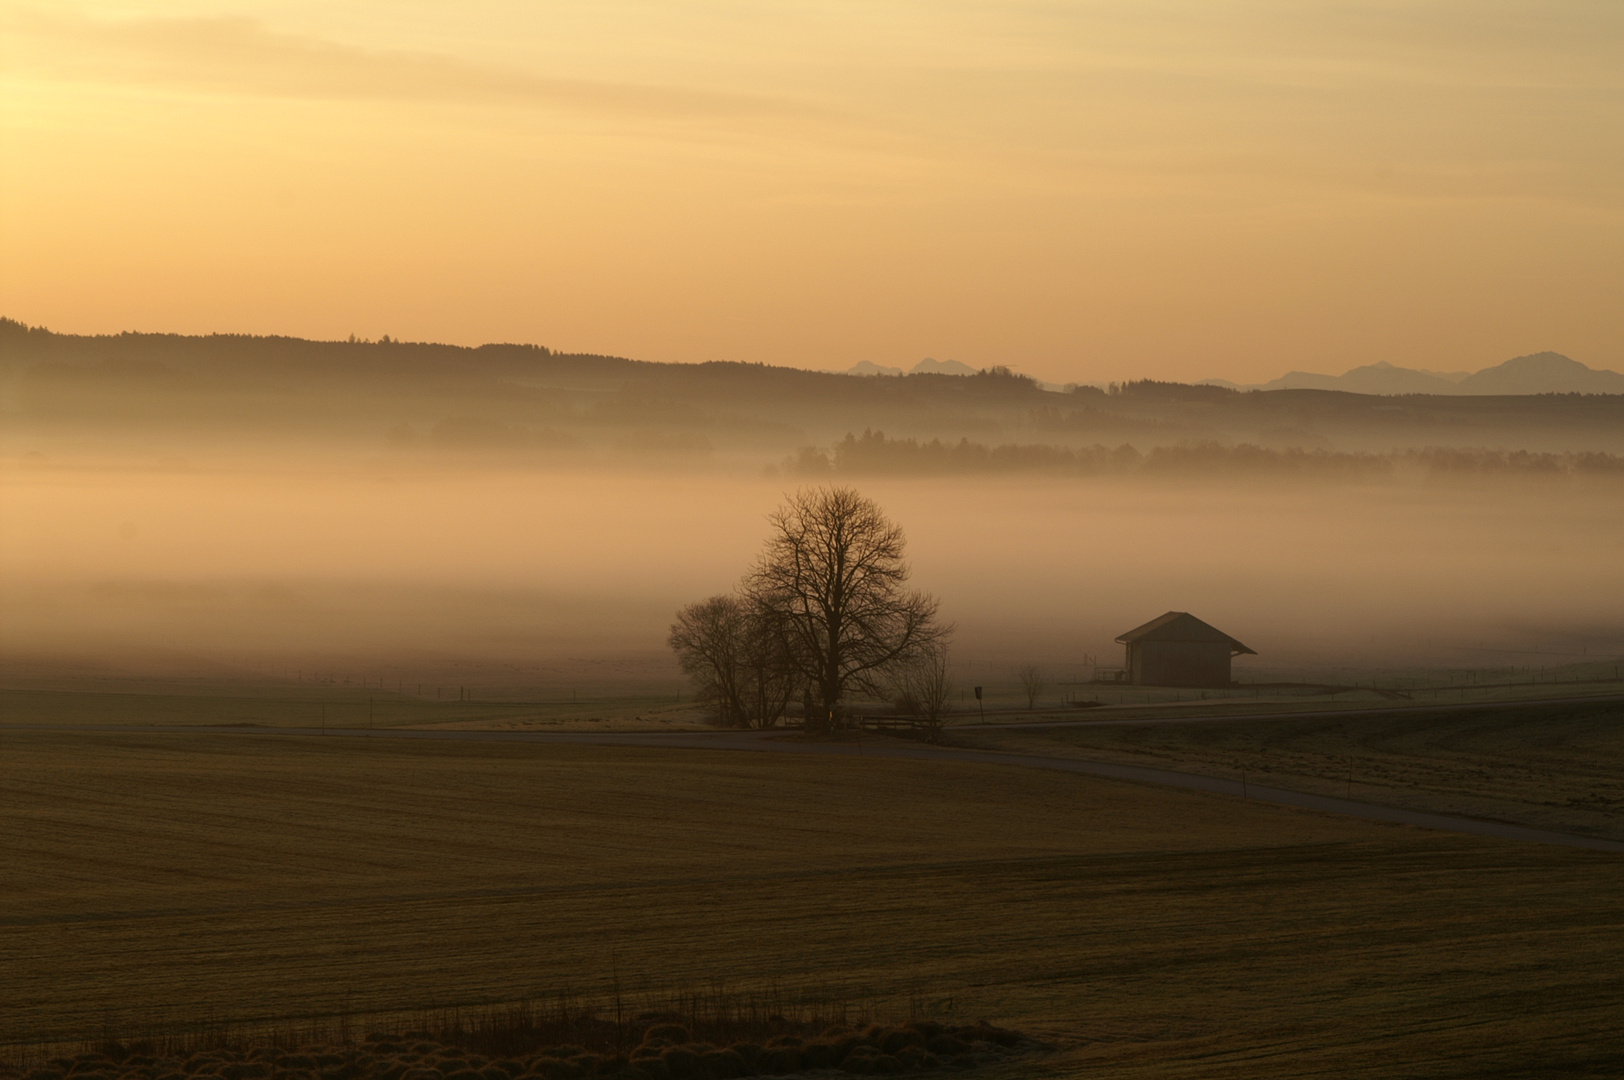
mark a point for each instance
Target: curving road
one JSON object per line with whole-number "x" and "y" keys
{"x": 1094, "y": 720}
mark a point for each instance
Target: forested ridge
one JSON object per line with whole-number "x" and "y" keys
{"x": 416, "y": 397}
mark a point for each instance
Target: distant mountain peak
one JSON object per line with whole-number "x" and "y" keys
{"x": 1540, "y": 361}
{"x": 928, "y": 366}
{"x": 1536, "y": 373}
{"x": 869, "y": 367}
{"x": 1543, "y": 373}
{"x": 932, "y": 366}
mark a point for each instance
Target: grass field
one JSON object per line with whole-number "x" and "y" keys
{"x": 1557, "y": 767}
{"x": 158, "y": 879}
{"x": 64, "y": 698}
{"x": 285, "y": 703}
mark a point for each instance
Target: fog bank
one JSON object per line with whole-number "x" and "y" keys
{"x": 538, "y": 576}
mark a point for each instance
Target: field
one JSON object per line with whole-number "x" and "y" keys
{"x": 140, "y": 702}
{"x": 1558, "y": 767}
{"x": 153, "y": 880}
{"x": 57, "y": 695}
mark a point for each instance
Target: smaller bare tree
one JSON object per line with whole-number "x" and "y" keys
{"x": 707, "y": 639}
{"x": 737, "y": 654}
{"x": 924, "y": 688}
{"x": 767, "y": 677}
{"x": 1032, "y": 684}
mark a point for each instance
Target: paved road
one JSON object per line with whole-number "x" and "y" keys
{"x": 1095, "y": 720}
{"x": 774, "y": 742}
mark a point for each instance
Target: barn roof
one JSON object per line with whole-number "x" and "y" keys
{"x": 1181, "y": 626}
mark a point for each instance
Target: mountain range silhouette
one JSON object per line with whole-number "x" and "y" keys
{"x": 928, "y": 366}
{"x": 1537, "y": 373}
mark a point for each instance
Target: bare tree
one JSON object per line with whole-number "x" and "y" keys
{"x": 1032, "y": 684}
{"x": 833, "y": 570}
{"x": 924, "y": 688}
{"x": 706, "y": 638}
{"x": 737, "y": 654}
{"x": 767, "y": 679}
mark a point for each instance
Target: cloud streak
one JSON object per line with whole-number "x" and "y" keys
{"x": 235, "y": 55}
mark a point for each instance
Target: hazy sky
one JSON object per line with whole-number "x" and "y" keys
{"x": 1087, "y": 190}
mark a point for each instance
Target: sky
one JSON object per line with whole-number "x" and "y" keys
{"x": 1084, "y": 191}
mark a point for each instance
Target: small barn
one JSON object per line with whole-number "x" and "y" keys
{"x": 1179, "y": 649}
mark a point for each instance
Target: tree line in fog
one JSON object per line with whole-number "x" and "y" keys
{"x": 873, "y": 453}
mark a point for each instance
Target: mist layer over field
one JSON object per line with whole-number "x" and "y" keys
{"x": 385, "y": 571}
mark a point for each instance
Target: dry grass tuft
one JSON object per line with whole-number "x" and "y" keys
{"x": 456, "y": 1051}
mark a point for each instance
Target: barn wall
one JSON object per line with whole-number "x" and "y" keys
{"x": 1179, "y": 663}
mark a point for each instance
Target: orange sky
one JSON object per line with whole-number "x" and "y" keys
{"x": 1084, "y": 191}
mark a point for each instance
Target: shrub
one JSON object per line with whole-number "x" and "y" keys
{"x": 918, "y": 1059}
{"x": 675, "y": 1034}
{"x": 749, "y": 1052}
{"x": 653, "y": 1068}
{"x": 981, "y": 1031}
{"x": 821, "y": 1054}
{"x": 895, "y": 1041}
{"x": 422, "y": 1074}
{"x": 861, "y": 1060}
{"x": 682, "y": 1062}
{"x": 779, "y": 1061}
{"x": 556, "y": 1069}
{"x": 725, "y": 1064}
{"x": 247, "y": 1070}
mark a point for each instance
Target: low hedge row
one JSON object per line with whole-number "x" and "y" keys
{"x": 666, "y": 1052}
